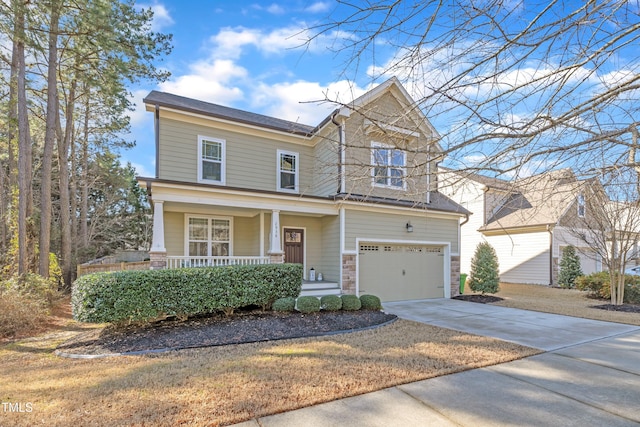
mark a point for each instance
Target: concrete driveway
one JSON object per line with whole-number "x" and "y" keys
{"x": 589, "y": 376}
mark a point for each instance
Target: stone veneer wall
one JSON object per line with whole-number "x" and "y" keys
{"x": 348, "y": 274}
{"x": 157, "y": 260}
{"x": 455, "y": 276}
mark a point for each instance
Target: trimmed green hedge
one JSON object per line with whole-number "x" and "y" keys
{"x": 308, "y": 304}
{"x": 370, "y": 302}
{"x": 151, "y": 294}
{"x": 598, "y": 286}
{"x": 350, "y": 302}
{"x": 331, "y": 303}
{"x": 284, "y": 304}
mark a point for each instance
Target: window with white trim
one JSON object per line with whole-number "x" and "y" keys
{"x": 211, "y": 160}
{"x": 288, "y": 171}
{"x": 582, "y": 208}
{"x": 389, "y": 166}
{"x": 208, "y": 236}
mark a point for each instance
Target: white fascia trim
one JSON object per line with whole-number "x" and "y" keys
{"x": 234, "y": 123}
{"x": 232, "y": 198}
{"x": 364, "y": 206}
{"x": 391, "y": 128}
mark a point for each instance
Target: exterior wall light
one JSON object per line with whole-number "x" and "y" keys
{"x": 409, "y": 227}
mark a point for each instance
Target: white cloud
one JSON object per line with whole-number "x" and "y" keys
{"x": 139, "y": 115}
{"x": 275, "y": 9}
{"x": 141, "y": 170}
{"x": 318, "y": 7}
{"x": 161, "y": 16}
{"x": 215, "y": 81}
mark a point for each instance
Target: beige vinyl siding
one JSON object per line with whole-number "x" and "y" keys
{"x": 330, "y": 262}
{"x": 174, "y": 233}
{"x": 385, "y": 226}
{"x": 251, "y": 160}
{"x": 359, "y": 137}
{"x": 523, "y": 257}
{"x": 246, "y": 236}
{"x": 327, "y": 158}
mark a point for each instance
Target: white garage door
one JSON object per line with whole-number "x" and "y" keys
{"x": 401, "y": 272}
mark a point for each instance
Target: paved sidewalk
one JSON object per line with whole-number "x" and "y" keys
{"x": 590, "y": 376}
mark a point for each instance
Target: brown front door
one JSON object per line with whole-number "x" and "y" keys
{"x": 294, "y": 245}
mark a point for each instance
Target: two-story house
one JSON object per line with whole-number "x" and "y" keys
{"x": 528, "y": 221}
{"x": 352, "y": 198}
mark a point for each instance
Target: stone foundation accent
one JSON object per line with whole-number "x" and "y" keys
{"x": 348, "y": 274}
{"x": 276, "y": 258}
{"x": 157, "y": 260}
{"x": 455, "y": 276}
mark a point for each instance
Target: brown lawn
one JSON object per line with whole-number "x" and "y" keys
{"x": 225, "y": 385}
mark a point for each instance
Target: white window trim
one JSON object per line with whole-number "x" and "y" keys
{"x": 209, "y": 218}
{"x": 223, "y": 165}
{"x": 296, "y": 184}
{"x": 375, "y": 145}
{"x": 582, "y": 205}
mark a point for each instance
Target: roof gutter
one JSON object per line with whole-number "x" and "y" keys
{"x": 156, "y": 129}
{"x": 341, "y": 153}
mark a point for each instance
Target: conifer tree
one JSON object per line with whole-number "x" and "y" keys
{"x": 484, "y": 276}
{"x": 569, "y": 267}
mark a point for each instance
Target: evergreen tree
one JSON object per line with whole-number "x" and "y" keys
{"x": 569, "y": 267}
{"x": 484, "y": 276}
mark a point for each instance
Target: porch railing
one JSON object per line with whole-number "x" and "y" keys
{"x": 214, "y": 261}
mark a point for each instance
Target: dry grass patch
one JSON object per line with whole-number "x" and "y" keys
{"x": 570, "y": 302}
{"x": 225, "y": 385}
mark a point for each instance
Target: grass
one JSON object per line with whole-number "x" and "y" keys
{"x": 570, "y": 302}
{"x": 225, "y": 385}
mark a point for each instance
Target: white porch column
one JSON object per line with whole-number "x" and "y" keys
{"x": 158, "y": 253}
{"x": 275, "y": 247}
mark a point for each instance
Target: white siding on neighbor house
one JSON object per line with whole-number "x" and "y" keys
{"x": 523, "y": 257}
{"x": 251, "y": 161}
{"x": 589, "y": 261}
{"x": 470, "y": 195}
{"x": 387, "y": 226}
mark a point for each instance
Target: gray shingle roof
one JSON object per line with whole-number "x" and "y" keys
{"x": 169, "y": 100}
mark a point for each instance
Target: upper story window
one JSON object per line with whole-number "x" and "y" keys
{"x": 389, "y": 166}
{"x": 288, "y": 171}
{"x": 211, "y": 160}
{"x": 582, "y": 208}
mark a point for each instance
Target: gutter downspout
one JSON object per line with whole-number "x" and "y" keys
{"x": 429, "y": 175}
{"x": 550, "y": 231}
{"x": 341, "y": 155}
{"x": 156, "y": 128}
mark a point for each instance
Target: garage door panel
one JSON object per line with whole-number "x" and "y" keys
{"x": 401, "y": 272}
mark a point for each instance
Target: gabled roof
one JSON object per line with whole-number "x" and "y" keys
{"x": 537, "y": 201}
{"x": 182, "y": 103}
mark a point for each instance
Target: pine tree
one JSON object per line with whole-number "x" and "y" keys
{"x": 484, "y": 276}
{"x": 569, "y": 267}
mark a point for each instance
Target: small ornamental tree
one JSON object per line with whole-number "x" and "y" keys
{"x": 569, "y": 267}
{"x": 484, "y": 276}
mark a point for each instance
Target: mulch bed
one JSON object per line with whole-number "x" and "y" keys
{"x": 216, "y": 330}
{"x": 479, "y": 298}
{"x": 627, "y": 308}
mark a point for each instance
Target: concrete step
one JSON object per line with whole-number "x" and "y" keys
{"x": 320, "y": 292}
{"x": 318, "y": 289}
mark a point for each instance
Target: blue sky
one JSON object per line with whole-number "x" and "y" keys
{"x": 252, "y": 55}
{"x": 247, "y": 55}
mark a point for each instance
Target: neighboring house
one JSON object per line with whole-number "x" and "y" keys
{"x": 528, "y": 221}
{"x": 352, "y": 197}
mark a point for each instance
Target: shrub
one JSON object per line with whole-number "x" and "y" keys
{"x": 24, "y": 303}
{"x": 308, "y": 304}
{"x": 484, "y": 276}
{"x": 350, "y": 302}
{"x": 284, "y": 304}
{"x": 569, "y": 267}
{"x": 370, "y": 302}
{"x": 598, "y": 286}
{"x": 151, "y": 294}
{"x": 331, "y": 302}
